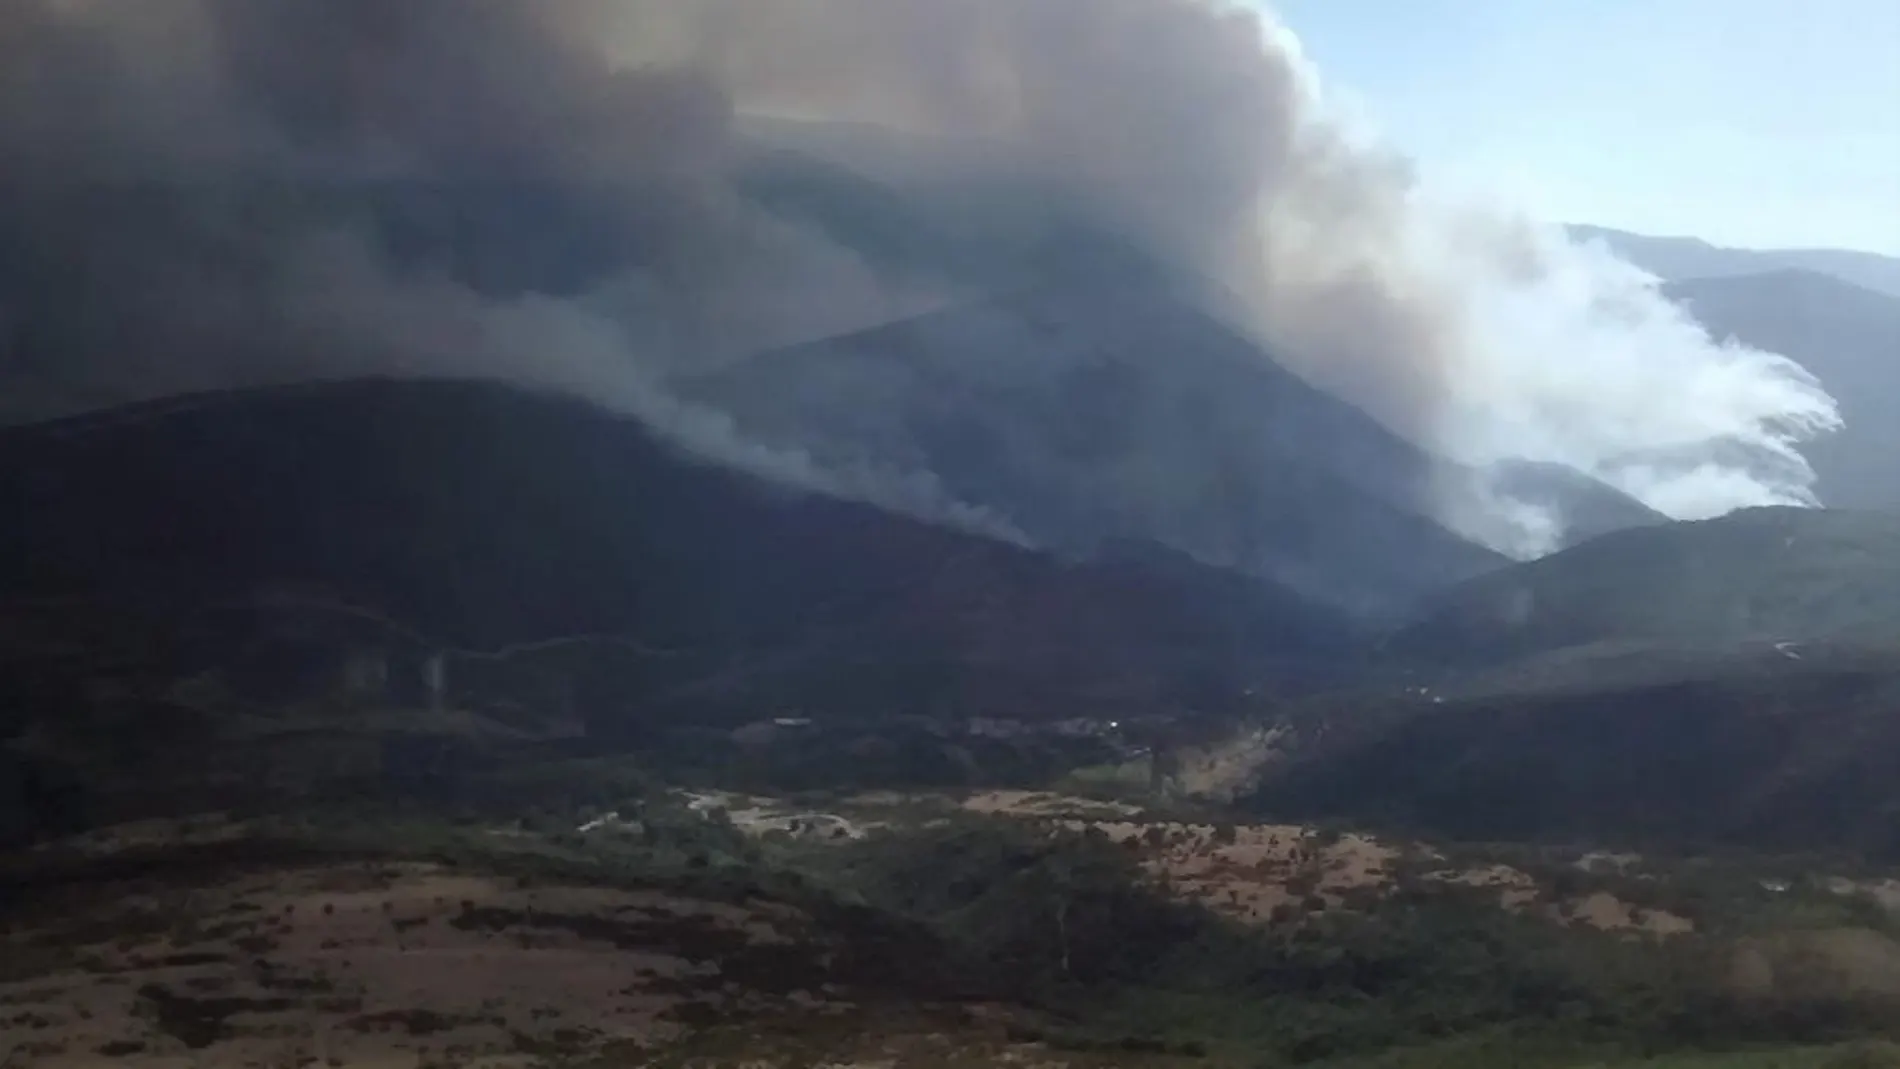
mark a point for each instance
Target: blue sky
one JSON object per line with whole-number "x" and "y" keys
{"x": 1757, "y": 123}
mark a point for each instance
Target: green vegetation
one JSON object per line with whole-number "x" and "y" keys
{"x": 1068, "y": 924}
{"x": 1099, "y": 960}
{"x": 869, "y": 754}
{"x": 1091, "y": 956}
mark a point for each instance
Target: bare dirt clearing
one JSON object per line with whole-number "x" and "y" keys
{"x": 1263, "y": 872}
{"x": 1256, "y": 873}
{"x": 383, "y": 964}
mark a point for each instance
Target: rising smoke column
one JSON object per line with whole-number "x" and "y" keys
{"x": 1573, "y": 356}
{"x": 1197, "y": 127}
{"x": 215, "y": 192}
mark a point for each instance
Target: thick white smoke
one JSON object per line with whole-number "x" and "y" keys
{"x": 1542, "y": 350}
{"x": 556, "y": 193}
{"x": 1575, "y": 357}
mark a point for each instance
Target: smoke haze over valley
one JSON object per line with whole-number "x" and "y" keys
{"x": 613, "y": 198}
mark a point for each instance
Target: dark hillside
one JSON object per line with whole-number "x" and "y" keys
{"x": 1762, "y": 575}
{"x": 478, "y": 517}
{"x": 1095, "y": 412}
{"x": 1778, "y": 755}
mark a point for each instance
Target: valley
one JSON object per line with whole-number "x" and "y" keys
{"x": 519, "y": 553}
{"x": 311, "y": 758}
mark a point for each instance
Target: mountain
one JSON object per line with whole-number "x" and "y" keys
{"x": 472, "y": 518}
{"x": 1722, "y": 683}
{"x": 1761, "y": 575}
{"x": 1727, "y": 683}
{"x": 1090, "y": 412}
{"x": 1846, "y": 336}
{"x": 1238, "y": 463}
{"x": 1673, "y": 258}
{"x": 1761, "y": 751}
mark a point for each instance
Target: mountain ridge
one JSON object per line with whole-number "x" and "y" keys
{"x": 1057, "y": 407}
{"x": 1676, "y": 258}
{"x": 1770, "y": 575}
{"x": 482, "y": 515}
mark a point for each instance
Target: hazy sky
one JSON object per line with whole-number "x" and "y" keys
{"x": 1744, "y": 122}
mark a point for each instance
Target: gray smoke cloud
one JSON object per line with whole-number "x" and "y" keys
{"x": 204, "y": 193}
{"x": 212, "y": 193}
{"x": 1197, "y": 127}
{"x": 192, "y": 162}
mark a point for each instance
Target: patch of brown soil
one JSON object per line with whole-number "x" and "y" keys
{"x": 374, "y": 964}
{"x": 1519, "y": 891}
{"x": 1249, "y": 871}
{"x": 1606, "y": 912}
{"x": 1255, "y": 873}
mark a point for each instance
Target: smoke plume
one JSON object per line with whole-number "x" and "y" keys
{"x": 204, "y": 193}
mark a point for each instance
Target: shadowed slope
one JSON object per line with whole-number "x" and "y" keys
{"x": 480, "y": 516}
